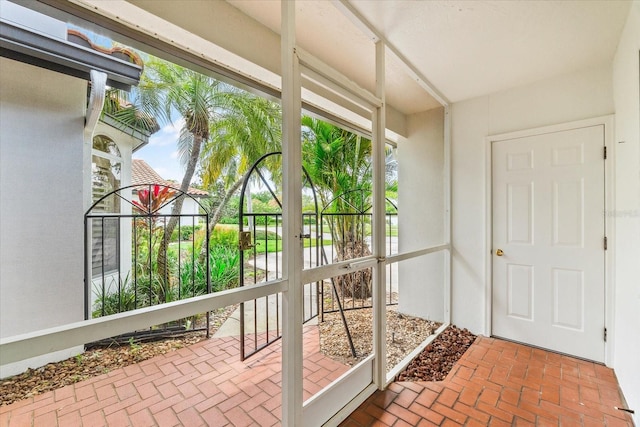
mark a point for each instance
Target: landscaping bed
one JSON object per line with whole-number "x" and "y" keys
{"x": 97, "y": 361}
{"x": 404, "y": 334}
{"x": 437, "y": 359}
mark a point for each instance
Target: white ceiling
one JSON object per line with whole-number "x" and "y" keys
{"x": 464, "y": 48}
{"x": 471, "y": 48}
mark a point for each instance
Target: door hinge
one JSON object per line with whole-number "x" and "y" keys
{"x": 605, "y": 153}
{"x": 605, "y": 243}
{"x": 605, "y": 334}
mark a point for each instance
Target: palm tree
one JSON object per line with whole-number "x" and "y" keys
{"x": 237, "y": 141}
{"x": 213, "y": 114}
{"x": 339, "y": 164}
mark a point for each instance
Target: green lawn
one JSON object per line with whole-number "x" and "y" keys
{"x": 262, "y": 246}
{"x": 388, "y": 230}
{"x": 271, "y": 246}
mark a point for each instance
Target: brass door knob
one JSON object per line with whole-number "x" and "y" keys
{"x": 499, "y": 252}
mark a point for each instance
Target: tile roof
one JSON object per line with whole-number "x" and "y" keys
{"x": 142, "y": 173}
{"x": 120, "y": 52}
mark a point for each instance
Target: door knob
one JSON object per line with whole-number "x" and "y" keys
{"x": 499, "y": 252}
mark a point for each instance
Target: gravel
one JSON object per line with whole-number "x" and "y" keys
{"x": 437, "y": 359}
{"x": 404, "y": 334}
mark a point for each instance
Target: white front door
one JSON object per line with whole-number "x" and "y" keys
{"x": 548, "y": 225}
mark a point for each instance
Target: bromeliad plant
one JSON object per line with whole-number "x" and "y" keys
{"x": 152, "y": 199}
{"x": 147, "y": 234}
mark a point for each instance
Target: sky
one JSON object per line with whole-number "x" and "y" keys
{"x": 161, "y": 153}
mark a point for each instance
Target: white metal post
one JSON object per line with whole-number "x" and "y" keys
{"x": 447, "y": 213}
{"x": 292, "y": 222}
{"x": 379, "y": 241}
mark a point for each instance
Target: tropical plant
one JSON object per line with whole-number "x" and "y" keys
{"x": 237, "y": 142}
{"x": 234, "y": 126}
{"x": 152, "y": 199}
{"x": 200, "y": 100}
{"x": 224, "y": 271}
{"x": 123, "y": 298}
{"x": 339, "y": 164}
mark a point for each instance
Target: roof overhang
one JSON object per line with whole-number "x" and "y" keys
{"x": 39, "y": 49}
{"x": 140, "y": 138}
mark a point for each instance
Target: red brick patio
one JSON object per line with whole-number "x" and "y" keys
{"x": 499, "y": 383}
{"x": 495, "y": 383}
{"x": 204, "y": 384}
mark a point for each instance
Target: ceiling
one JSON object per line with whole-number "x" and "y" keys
{"x": 464, "y": 48}
{"x": 461, "y": 49}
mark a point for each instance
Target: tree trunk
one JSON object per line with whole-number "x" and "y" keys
{"x": 357, "y": 284}
{"x": 163, "y": 268}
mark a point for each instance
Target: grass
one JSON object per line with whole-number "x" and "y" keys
{"x": 389, "y": 230}
{"x": 273, "y": 245}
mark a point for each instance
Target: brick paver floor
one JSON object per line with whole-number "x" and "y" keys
{"x": 204, "y": 384}
{"x": 495, "y": 383}
{"x": 499, "y": 383}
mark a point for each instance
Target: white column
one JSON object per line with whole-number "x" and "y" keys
{"x": 379, "y": 242}
{"x": 292, "y": 223}
{"x": 447, "y": 213}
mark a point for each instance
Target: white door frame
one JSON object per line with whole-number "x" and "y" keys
{"x": 607, "y": 122}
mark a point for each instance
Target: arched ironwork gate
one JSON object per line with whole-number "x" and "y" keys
{"x": 339, "y": 232}
{"x": 131, "y": 263}
{"x": 347, "y": 219}
{"x": 260, "y": 236}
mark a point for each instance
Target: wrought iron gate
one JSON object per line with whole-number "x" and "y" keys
{"x": 130, "y": 265}
{"x": 347, "y": 219}
{"x": 261, "y": 254}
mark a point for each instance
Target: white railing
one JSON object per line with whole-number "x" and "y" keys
{"x": 24, "y": 346}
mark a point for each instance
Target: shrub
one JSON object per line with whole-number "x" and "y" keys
{"x": 224, "y": 236}
{"x": 107, "y": 303}
{"x": 224, "y": 267}
{"x": 186, "y": 232}
{"x": 185, "y": 274}
{"x": 224, "y": 263}
{"x": 229, "y": 220}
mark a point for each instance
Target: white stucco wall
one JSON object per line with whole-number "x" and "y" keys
{"x": 626, "y": 93}
{"x": 589, "y": 93}
{"x": 41, "y": 198}
{"x": 566, "y": 98}
{"x": 469, "y": 127}
{"x": 189, "y": 207}
{"x": 421, "y": 215}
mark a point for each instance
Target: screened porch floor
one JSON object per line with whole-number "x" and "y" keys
{"x": 500, "y": 383}
{"x": 494, "y": 383}
{"x": 204, "y": 384}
